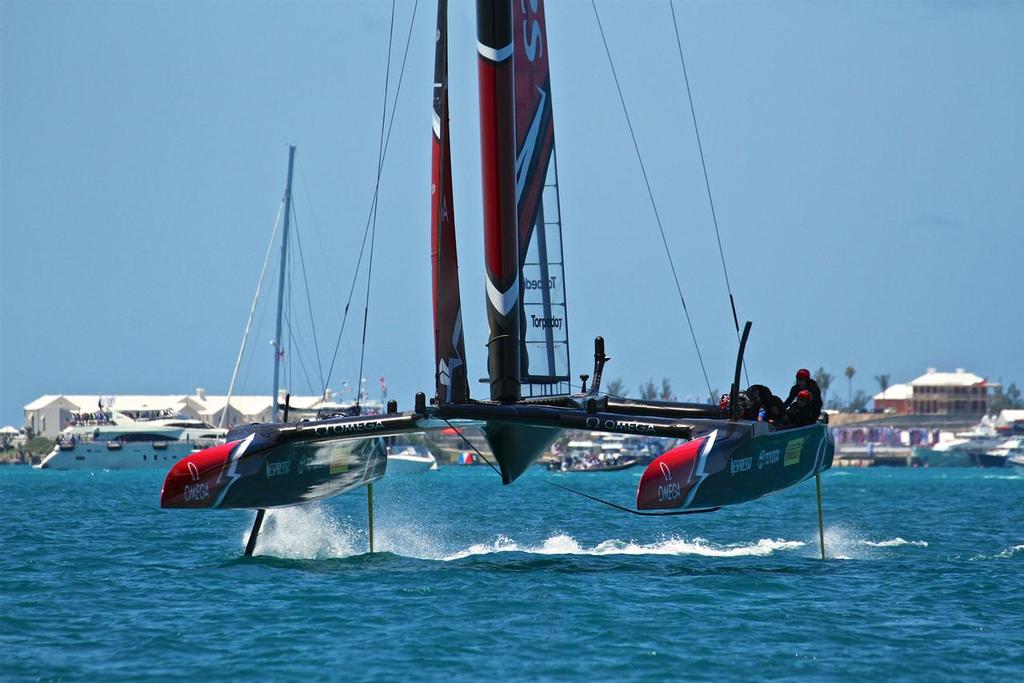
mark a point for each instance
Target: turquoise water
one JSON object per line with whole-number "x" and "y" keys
{"x": 478, "y": 580}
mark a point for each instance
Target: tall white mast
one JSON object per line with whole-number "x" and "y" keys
{"x": 278, "y": 351}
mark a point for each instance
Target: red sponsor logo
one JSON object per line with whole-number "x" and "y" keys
{"x": 669, "y": 478}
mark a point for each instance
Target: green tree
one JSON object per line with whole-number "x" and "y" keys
{"x": 850, "y": 372}
{"x": 39, "y": 445}
{"x": 824, "y": 381}
{"x": 860, "y": 401}
{"x": 648, "y": 392}
{"x": 1013, "y": 396}
{"x": 666, "y": 389}
{"x": 617, "y": 388}
{"x": 883, "y": 382}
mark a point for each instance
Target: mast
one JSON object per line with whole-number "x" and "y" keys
{"x": 278, "y": 351}
{"x": 449, "y": 346}
{"x": 498, "y": 157}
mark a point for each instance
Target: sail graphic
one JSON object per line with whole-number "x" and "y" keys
{"x": 544, "y": 355}
{"x": 449, "y": 347}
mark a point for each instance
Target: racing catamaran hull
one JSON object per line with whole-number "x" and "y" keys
{"x": 274, "y": 465}
{"x": 735, "y": 463}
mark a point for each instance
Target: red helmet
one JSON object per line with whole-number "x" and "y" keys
{"x": 804, "y": 395}
{"x": 803, "y": 373}
{"x": 723, "y": 403}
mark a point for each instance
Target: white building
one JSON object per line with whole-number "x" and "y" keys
{"x": 48, "y": 415}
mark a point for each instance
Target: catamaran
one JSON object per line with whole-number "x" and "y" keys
{"x": 724, "y": 460}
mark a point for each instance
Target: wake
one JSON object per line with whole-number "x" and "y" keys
{"x": 563, "y": 544}
{"x": 308, "y": 532}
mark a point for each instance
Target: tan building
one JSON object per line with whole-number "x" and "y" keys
{"x": 953, "y": 393}
{"x": 959, "y": 393}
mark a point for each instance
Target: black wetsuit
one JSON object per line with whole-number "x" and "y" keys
{"x": 811, "y": 386}
{"x": 762, "y": 397}
{"x": 800, "y": 414}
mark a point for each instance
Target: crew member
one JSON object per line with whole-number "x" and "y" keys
{"x": 801, "y": 411}
{"x": 805, "y": 383}
{"x": 762, "y": 397}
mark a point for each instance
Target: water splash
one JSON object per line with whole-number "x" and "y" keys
{"x": 563, "y": 544}
{"x": 306, "y": 532}
{"x": 309, "y": 532}
{"x": 845, "y": 542}
{"x": 895, "y": 542}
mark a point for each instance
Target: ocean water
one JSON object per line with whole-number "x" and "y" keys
{"x": 474, "y": 580}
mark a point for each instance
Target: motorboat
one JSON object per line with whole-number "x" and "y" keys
{"x": 409, "y": 458}
{"x": 117, "y": 442}
{"x": 1009, "y": 452}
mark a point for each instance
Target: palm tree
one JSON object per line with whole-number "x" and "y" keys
{"x": 648, "y": 392}
{"x": 883, "y": 382}
{"x": 617, "y": 388}
{"x": 666, "y": 389}
{"x": 824, "y": 380}
{"x": 850, "y": 372}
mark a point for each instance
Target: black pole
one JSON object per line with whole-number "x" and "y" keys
{"x": 256, "y": 524}
{"x": 734, "y": 394}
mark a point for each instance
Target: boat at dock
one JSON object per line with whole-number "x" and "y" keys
{"x": 1009, "y": 452}
{"x": 943, "y": 454}
{"x": 969, "y": 448}
{"x": 117, "y": 442}
{"x": 410, "y": 458}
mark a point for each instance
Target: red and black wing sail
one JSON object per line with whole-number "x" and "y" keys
{"x": 544, "y": 364}
{"x": 498, "y": 173}
{"x": 449, "y": 345}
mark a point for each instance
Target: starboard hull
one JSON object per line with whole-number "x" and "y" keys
{"x": 733, "y": 464}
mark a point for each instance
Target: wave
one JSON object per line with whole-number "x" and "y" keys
{"x": 895, "y": 542}
{"x": 846, "y": 542}
{"x": 1010, "y": 552}
{"x": 309, "y": 532}
{"x": 563, "y": 544}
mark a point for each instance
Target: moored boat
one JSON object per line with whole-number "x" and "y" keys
{"x": 121, "y": 443}
{"x": 1009, "y": 452}
{"x": 942, "y": 455}
{"x": 410, "y": 458}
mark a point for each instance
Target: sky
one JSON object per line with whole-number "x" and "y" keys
{"x": 864, "y": 158}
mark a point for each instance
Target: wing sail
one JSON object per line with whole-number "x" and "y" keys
{"x": 449, "y": 346}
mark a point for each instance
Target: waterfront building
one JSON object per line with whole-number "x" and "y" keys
{"x": 959, "y": 393}
{"x": 50, "y": 414}
{"x": 953, "y": 393}
{"x": 895, "y": 399}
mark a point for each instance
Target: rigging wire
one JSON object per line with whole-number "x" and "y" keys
{"x": 319, "y": 237}
{"x": 373, "y": 204}
{"x": 707, "y": 182}
{"x": 252, "y": 311}
{"x": 654, "y": 205}
{"x": 631, "y": 511}
{"x": 309, "y": 301}
{"x": 376, "y": 205}
{"x": 470, "y": 444}
{"x": 297, "y": 353}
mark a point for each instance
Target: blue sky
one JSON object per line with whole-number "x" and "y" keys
{"x": 865, "y": 160}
